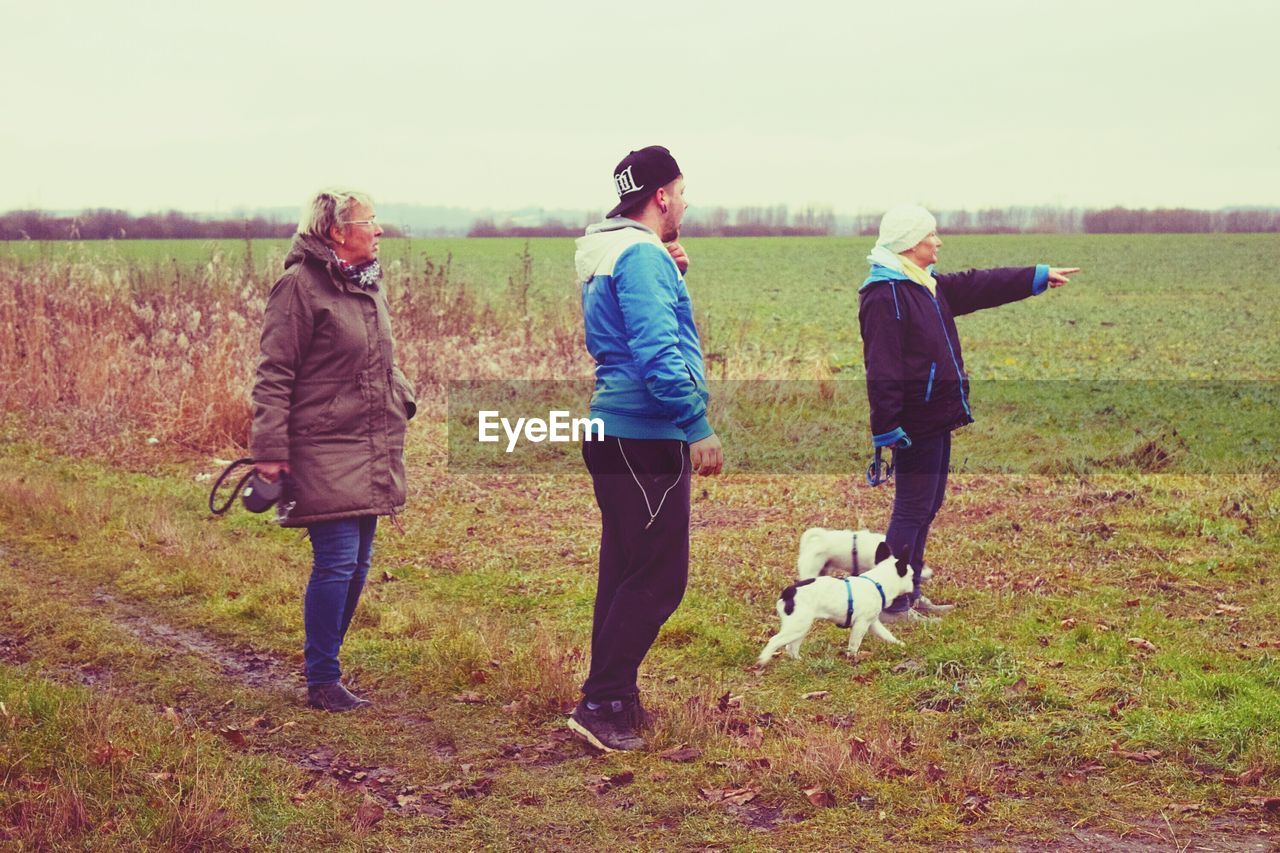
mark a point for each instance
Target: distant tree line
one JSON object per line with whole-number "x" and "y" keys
{"x": 763, "y": 221}
{"x": 487, "y": 227}
{"x": 119, "y": 225}
{"x": 780, "y": 221}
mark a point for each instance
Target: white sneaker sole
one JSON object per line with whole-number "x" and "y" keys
{"x": 585, "y": 733}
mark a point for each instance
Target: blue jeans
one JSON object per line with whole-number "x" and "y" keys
{"x": 343, "y": 550}
{"x": 920, "y": 485}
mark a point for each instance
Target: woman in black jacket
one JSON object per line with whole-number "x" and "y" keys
{"x": 916, "y": 382}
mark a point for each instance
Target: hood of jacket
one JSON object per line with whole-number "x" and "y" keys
{"x": 306, "y": 246}
{"x": 600, "y": 242}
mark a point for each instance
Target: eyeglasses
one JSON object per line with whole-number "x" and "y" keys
{"x": 373, "y": 221}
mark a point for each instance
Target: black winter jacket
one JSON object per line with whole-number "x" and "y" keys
{"x": 916, "y": 382}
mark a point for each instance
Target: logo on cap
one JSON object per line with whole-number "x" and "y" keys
{"x": 626, "y": 183}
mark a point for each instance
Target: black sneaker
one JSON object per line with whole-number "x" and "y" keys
{"x": 334, "y": 697}
{"x": 610, "y": 727}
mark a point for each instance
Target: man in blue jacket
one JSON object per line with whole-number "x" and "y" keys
{"x": 916, "y": 381}
{"x": 651, "y": 395}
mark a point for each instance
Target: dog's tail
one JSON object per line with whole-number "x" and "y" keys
{"x": 787, "y": 602}
{"x": 807, "y": 564}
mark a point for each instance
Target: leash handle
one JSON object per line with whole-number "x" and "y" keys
{"x": 877, "y": 472}
{"x": 226, "y": 472}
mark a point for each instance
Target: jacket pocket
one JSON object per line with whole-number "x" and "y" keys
{"x": 332, "y": 408}
{"x": 928, "y": 389}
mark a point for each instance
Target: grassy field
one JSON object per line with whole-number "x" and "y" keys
{"x": 1109, "y": 681}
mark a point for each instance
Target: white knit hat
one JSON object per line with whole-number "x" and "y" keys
{"x": 905, "y": 226}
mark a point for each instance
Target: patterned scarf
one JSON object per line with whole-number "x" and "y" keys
{"x": 365, "y": 275}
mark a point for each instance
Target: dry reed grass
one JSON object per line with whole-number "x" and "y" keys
{"x": 105, "y": 357}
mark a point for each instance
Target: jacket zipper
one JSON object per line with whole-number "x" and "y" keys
{"x": 928, "y": 391}
{"x": 963, "y": 401}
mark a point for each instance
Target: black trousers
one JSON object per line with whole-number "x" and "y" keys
{"x": 644, "y": 566}
{"x": 920, "y": 479}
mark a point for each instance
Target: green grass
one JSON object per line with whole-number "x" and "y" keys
{"x": 1148, "y": 306}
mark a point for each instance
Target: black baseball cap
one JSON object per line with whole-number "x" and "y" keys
{"x": 639, "y": 176}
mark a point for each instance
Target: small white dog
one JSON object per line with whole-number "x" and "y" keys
{"x": 823, "y": 551}
{"x": 852, "y": 602}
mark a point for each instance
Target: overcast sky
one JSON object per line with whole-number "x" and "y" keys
{"x": 210, "y": 106}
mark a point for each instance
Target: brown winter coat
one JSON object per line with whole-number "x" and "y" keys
{"x": 328, "y": 397}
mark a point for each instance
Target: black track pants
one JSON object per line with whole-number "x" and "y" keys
{"x": 643, "y": 572}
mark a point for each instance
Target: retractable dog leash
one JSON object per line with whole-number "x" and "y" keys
{"x": 879, "y": 473}
{"x": 256, "y": 493}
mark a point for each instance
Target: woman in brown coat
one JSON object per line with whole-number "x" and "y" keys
{"x": 329, "y": 411}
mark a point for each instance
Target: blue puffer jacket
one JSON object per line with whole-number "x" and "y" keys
{"x": 640, "y": 331}
{"x": 916, "y": 382}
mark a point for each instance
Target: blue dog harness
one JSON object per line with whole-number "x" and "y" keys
{"x": 848, "y": 614}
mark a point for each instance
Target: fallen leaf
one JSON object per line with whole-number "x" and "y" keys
{"x": 1143, "y": 757}
{"x": 108, "y": 753}
{"x": 934, "y": 773}
{"x": 1019, "y": 686}
{"x": 761, "y": 763}
{"x": 1183, "y": 808}
{"x": 817, "y": 694}
{"x": 908, "y": 666}
{"x": 601, "y": 784}
{"x": 233, "y": 735}
{"x": 740, "y": 796}
{"x": 1271, "y": 804}
{"x": 725, "y": 702}
{"x": 387, "y": 577}
{"x": 753, "y": 739}
{"x": 890, "y": 768}
{"x": 907, "y": 745}
{"x": 820, "y": 798}
{"x": 1133, "y": 602}
{"x": 164, "y": 776}
{"x": 484, "y": 784}
{"x": 1252, "y": 776}
{"x": 368, "y": 814}
{"x": 470, "y": 697}
{"x": 1145, "y": 645}
{"x": 858, "y": 748}
{"x": 681, "y": 754}
{"x": 975, "y": 805}
{"x": 1224, "y": 609}
{"x": 478, "y": 676}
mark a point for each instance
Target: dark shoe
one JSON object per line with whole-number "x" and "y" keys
{"x": 334, "y": 697}
{"x": 609, "y": 728}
